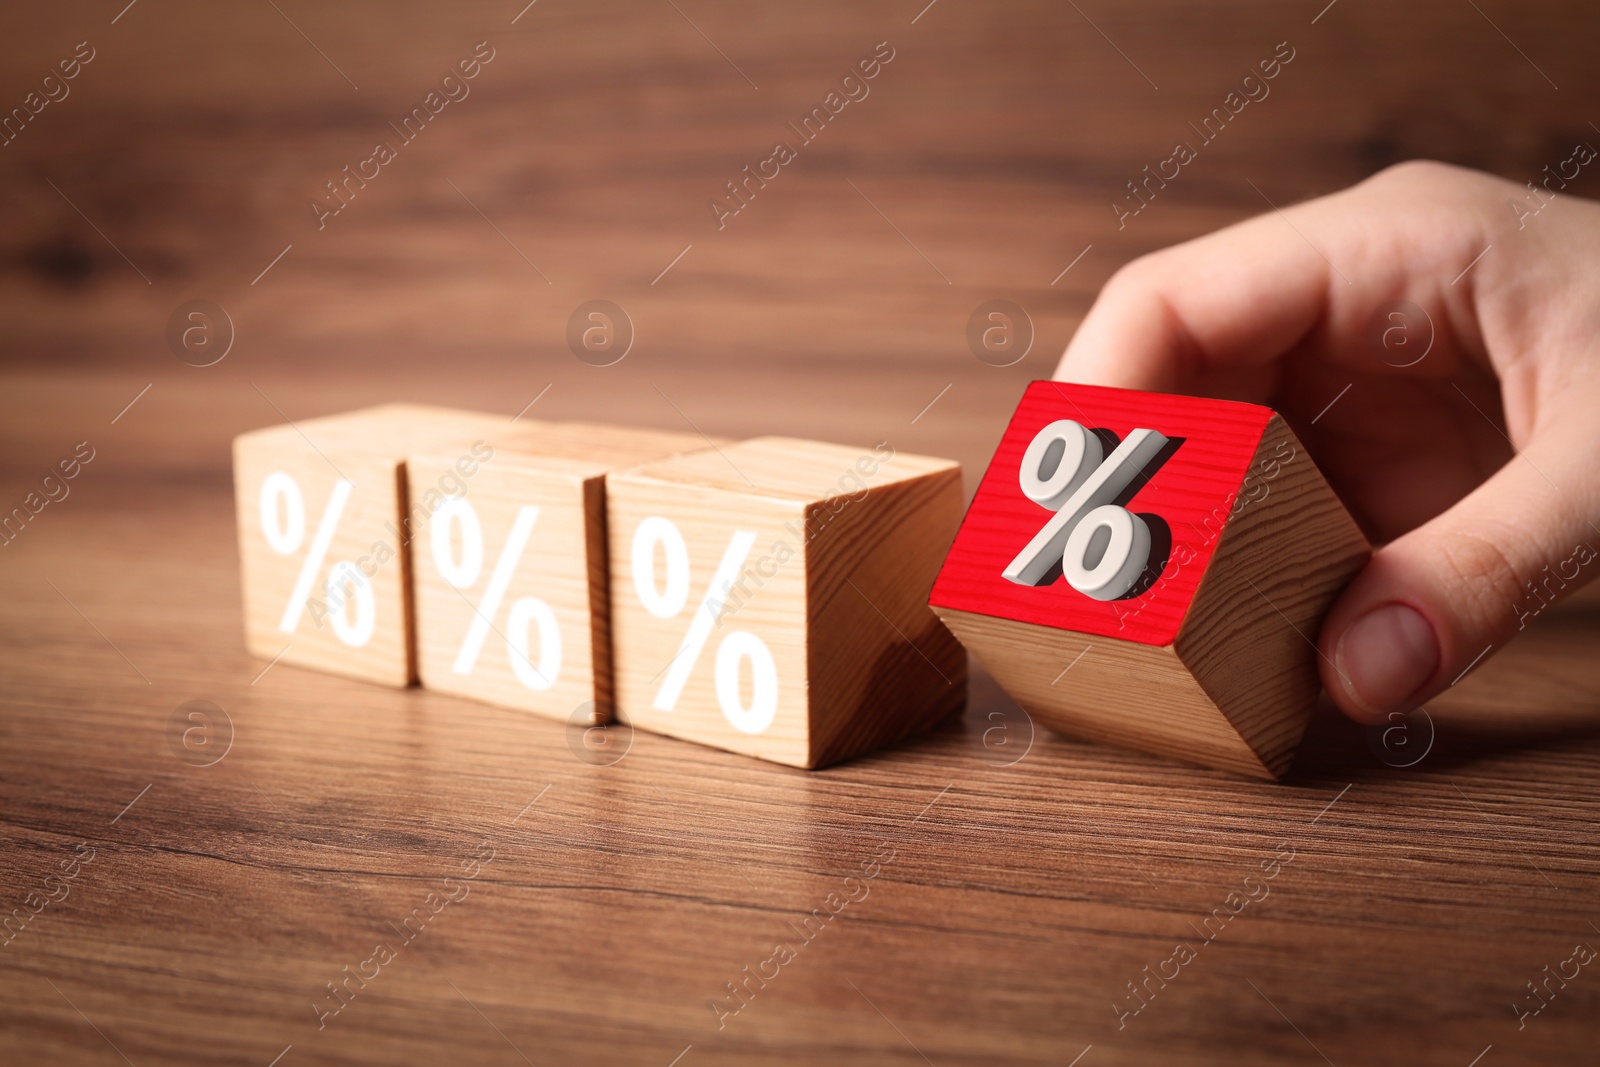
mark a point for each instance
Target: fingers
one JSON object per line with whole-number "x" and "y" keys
{"x": 1239, "y": 297}
{"x": 1429, "y": 605}
{"x": 1297, "y": 289}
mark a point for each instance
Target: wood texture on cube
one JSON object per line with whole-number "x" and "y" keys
{"x": 1100, "y": 689}
{"x": 1237, "y": 684}
{"x": 645, "y": 647}
{"x": 1212, "y": 445}
{"x": 822, "y": 516}
{"x": 363, "y": 534}
{"x": 555, "y": 568}
{"x": 560, "y": 469}
{"x": 882, "y": 665}
{"x": 614, "y": 447}
{"x": 366, "y": 448}
{"x": 1282, "y": 560}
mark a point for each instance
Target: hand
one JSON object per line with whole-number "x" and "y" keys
{"x": 1477, "y": 462}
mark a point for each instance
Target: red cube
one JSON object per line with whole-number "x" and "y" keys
{"x": 1150, "y": 571}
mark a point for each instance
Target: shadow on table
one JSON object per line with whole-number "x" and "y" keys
{"x": 1541, "y": 693}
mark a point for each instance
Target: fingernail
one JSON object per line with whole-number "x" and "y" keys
{"x": 1385, "y": 656}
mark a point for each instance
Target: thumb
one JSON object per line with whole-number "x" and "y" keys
{"x": 1436, "y": 602}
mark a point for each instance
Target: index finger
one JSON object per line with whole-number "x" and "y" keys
{"x": 1236, "y": 298}
{"x": 1246, "y": 295}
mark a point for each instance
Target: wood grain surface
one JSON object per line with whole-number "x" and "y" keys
{"x": 594, "y": 910}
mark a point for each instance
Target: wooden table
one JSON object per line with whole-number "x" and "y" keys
{"x": 1020, "y": 884}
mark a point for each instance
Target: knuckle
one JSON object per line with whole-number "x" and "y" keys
{"x": 1138, "y": 277}
{"x": 1483, "y": 576}
{"x": 1130, "y": 276}
{"x": 1426, "y": 175}
{"x": 1415, "y": 171}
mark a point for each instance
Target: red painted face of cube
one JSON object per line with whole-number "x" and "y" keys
{"x": 1101, "y": 510}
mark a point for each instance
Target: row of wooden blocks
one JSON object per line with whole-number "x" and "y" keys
{"x": 767, "y": 596}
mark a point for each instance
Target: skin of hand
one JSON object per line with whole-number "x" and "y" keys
{"x": 1468, "y": 443}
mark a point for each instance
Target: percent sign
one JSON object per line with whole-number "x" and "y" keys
{"x": 525, "y": 611}
{"x": 1102, "y": 547}
{"x": 733, "y": 650}
{"x": 283, "y": 523}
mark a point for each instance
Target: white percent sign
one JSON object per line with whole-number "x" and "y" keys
{"x": 456, "y": 513}
{"x": 1066, "y": 470}
{"x": 283, "y": 523}
{"x": 733, "y": 651}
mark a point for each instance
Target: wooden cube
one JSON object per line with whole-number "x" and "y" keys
{"x": 323, "y": 532}
{"x": 770, "y": 597}
{"x": 1150, "y": 571}
{"x": 510, "y": 577}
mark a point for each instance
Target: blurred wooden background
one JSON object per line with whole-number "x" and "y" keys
{"x": 995, "y": 142}
{"x": 981, "y": 166}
